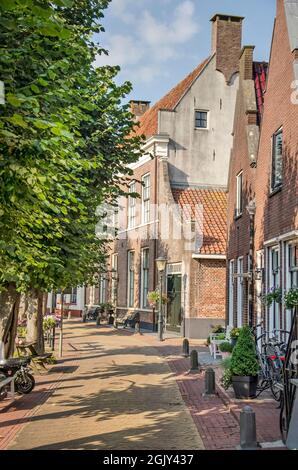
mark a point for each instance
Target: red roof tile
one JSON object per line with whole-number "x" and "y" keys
{"x": 214, "y": 204}
{"x": 149, "y": 120}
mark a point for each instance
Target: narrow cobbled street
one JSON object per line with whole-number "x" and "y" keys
{"x": 116, "y": 393}
{"x": 117, "y": 390}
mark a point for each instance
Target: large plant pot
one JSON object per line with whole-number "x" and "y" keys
{"x": 245, "y": 386}
{"x": 233, "y": 341}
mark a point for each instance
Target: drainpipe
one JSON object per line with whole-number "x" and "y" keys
{"x": 251, "y": 209}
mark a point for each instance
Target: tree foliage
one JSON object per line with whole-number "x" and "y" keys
{"x": 63, "y": 142}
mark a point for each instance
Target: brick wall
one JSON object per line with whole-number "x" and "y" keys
{"x": 207, "y": 289}
{"x": 277, "y": 214}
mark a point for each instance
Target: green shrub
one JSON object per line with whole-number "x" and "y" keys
{"x": 244, "y": 361}
{"x": 226, "y": 379}
{"x": 221, "y": 336}
{"x": 226, "y": 347}
{"x": 235, "y": 332}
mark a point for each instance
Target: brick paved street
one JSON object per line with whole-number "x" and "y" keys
{"x": 116, "y": 390}
{"x": 120, "y": 396}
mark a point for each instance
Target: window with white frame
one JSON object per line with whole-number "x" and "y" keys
{"x": 102, "y": 289}
{"x": 146, "y": 199}
{"x": 73, "y": 295}
{"x": 231, "y": 292}
{"x": 274, "y": 284}
{"x": 291, "y": 275}
{"x": 145, "y": 277}
{"x": 277, "y": 151}
{"x": 201, "y": 119}
{"x": 131, "y": 279}
{"x": 132, "y": 206}
{"x": 114, "y": 284}
{"x": 240, "y": 292}
{"x": 239, "y": 194}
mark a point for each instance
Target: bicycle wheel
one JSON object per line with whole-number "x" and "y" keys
{"x": 283, "y": 426}
{"x": 275, "y": 378}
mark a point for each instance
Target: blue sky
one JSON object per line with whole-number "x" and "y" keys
{"x": 158, "y": 42}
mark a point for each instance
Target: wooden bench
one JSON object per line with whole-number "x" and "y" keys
{"x": 125, "y": 318}
{"x": 28, "y": 349}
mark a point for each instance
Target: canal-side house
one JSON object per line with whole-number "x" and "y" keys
{"x": 263, "y": 184}
{"x": 183, "y": 170}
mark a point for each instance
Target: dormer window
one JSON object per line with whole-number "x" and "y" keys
{"x": 201, "y": 119}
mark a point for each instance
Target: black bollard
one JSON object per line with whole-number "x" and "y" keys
{"x": 185, "y": 348}
{"x": 194, "y": 362}
{"x": 210, "y": 382}
{"x": 98, "y": 320}
{"x": 248, "y": 430}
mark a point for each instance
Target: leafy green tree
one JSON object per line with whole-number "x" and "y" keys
{"x": 63, "y": 149}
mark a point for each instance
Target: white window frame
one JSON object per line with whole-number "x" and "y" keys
{"x": 208, "y": 119}
{"x": 275, "y": 186}
{"x": 239, "y": 194}
{"x": 144, "y": 292}
{"x": 240, "y": 270}
{"x": 102, "y": 289}
{"x": 291, "y": 277}
{"x": 146, "y": 193}
{"x": 131, "y": 223}
{"x": 231, "y": 292}
{"x": 114, "y": 265}
{"x": 273, "y": 312}
{"x": 130, "y": 278}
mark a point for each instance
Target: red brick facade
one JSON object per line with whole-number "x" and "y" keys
{"x": 276, "y": 215}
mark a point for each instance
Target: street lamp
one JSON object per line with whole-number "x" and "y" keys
{"x": 161, "y": 266}
{"x": 251, "y": 209}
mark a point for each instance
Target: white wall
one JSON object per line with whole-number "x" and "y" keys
{"x": 201, "y": 157}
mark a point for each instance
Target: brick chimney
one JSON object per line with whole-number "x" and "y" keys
{"x": 138, "y": 108}
{"x": 226, "y": 43}
{"x": 246, "y": 63}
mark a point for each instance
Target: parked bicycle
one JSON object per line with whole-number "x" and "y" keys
{"x": 271, "y": 354}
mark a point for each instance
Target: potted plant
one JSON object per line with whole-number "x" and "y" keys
{"x": 244, "y": 366}
{"x": 226, "y": 349}
{"x": 291, "y": 298}
{"x": 234, "y": 335}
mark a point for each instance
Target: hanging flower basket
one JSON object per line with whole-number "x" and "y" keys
{"x": 153, "y": 298}
{"x": 291, "y": 298}
{"x": 273, "y": 295}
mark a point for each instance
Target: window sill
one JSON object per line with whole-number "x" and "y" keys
{"x": 201, "y": 129}
{"x": 275, "y": 191}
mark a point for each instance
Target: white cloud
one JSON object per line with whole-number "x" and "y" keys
{"x": 179, "y": 28}
{"x": 151, "y": 39}
{"x": 123, "y": 50}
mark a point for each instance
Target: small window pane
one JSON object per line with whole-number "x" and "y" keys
{"x": 277, "y": 149}
{"x": 201, "y": 119}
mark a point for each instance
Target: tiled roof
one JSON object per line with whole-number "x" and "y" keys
{"x": 214, "y": 223}
{"x": 149, "y": 120}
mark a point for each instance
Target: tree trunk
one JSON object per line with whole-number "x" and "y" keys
{"x": 35, "y": 319}
{"x": 23, "y": 308}
{"x": 9, "y": 310}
